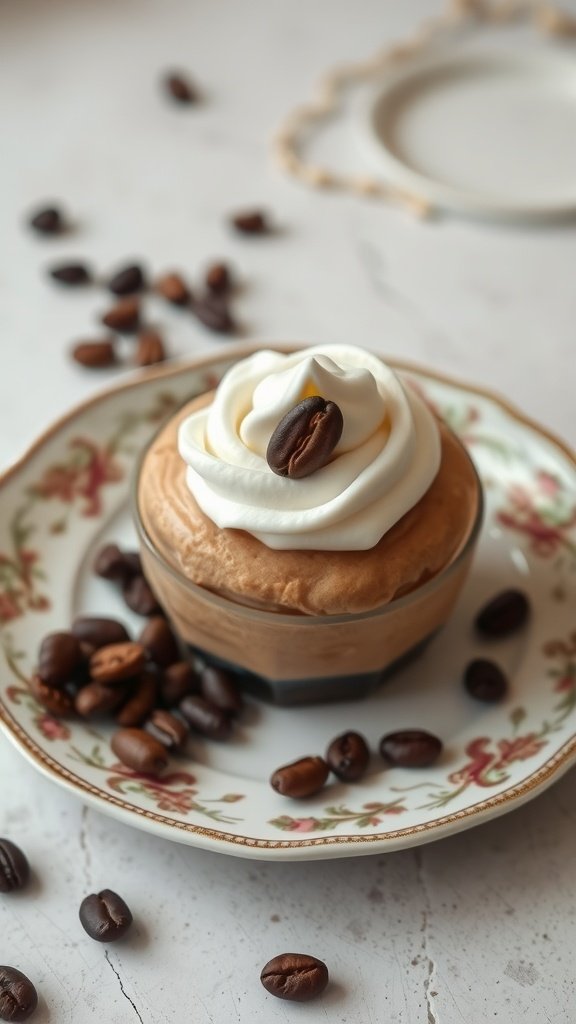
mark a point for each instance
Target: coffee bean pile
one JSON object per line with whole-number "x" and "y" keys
{"x": 95, "y": 669}
{"x": 210, "y": 303}
{"x": 126, "y": 316}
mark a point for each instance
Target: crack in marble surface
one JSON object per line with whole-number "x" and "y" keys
{"x": 432, "y": 1017}
{"x": 122, "y": 989}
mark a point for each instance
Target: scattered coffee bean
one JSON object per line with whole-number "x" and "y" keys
{"x": 133, "y": 562}
{"x": 124, "y": 316}
{"x": 113, "y": 564}
{"x": 116, "y": 662}
{"x": 504, "y": 614}
{"x": 150, "y": 349}
{"x": 177, "y": 681}
{"x": 170, "y": 731}
{"x": 96, "y": 699}
{"x": 140, "y": 703}
{"x": 348, "y": 756}
{"x": 95, "y": 355}
{"x": 18, "y": 997}
{"x": 221, "y": 689}
{"x": 300, "y": 778}
{"x": 295, "y": 976}
{"x": 159, "y": 642}
{"x": 14, "y": 868}
{"x": 251, "y": 222}
{"x": 410, "y": 748}
{"x": 139, "y": 597}
{"x": 128, "y": 280}
{"x": 174, "y": 289}
{"x": 105, "y": 916}
{"x": 218, "y": 279}
{"x": 179, "y": 88}
{"x": 57, "y": 702}
{"x": 72, "y": 274}
{"x": 58, "y": 658}
{"x": 205, "y": 718}
{"x": 140, "y": 751}
{"x": 213, "y": 312}
{"x": 99, "y": 632}
{"x": 484, "y": 680}
{"x": 305, "y": 438}
{"x": 48, "y": 221}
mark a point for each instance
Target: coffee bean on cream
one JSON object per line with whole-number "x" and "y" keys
{"x": 305, "y": 438}
{"x": 384, "y": 462}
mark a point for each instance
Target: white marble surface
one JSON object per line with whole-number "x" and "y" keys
{"x": 477, "y": 927}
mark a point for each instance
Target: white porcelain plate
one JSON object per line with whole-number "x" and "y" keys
{"x": 489, "y": 134}
{"x": 71, "y": 492}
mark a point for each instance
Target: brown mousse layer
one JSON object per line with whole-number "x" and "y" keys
{"x": 235, "y": 565}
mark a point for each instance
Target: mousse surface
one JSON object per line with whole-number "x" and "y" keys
{"x": 236, "y": 565}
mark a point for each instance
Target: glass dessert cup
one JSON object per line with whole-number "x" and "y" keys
{"x": 295, "y": 658}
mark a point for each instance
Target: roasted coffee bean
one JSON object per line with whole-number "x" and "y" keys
{"x": 305, "y": 438}
{"x": 150, "y": 349}
{"x": 95, "y": 699}
{"x": 170, "y": 731}
{"x": 410, "y": 748}
{"x": 14, "y": 868}
{"x": 139, "y": 597}
{"x": 295, "y": 976}
{"x": 18, "y": 997}
{"x": 484, "y": 680}
{"x": 89, "y": 649}
{"x": 105, "y": 916}
{"x": 300, "y": 778}
{"x": 99, "y": 632}
{"x": 213, "y": 312}
{"x": 57, "y": 702}
{"x": 133, "y": 562}
{"x": 251, "y": 222}
{"x": 179, "y": 88}
{"x": 114, "y": 564}
{"x": 221, "y": 689}
{"x": 140, "y": 751}
{"x": 47, "y": 221}
{"x": 71, "y": 274}
{"x": 504, "y": 614}
{"x": 127, "y": 280}
{"x": 124, "y": 316}
{"x": 96, "y": 355}
{"x": 177, "y": 681}
{"x": 159, "y": 641}
{"x": 58, "y": 658}
{"x": 116, "y": 662}
{"x": 218, "y": 279}
{"x": 173, "y": 288}
{"x": 205, "y": 718}
{"x": 141, "y": 701}
{"x": 348, "y": 756}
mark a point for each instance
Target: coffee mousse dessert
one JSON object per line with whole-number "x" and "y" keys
{"x": 309, "y": 523}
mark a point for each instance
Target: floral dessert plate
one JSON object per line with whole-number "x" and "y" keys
{"x": 71, "y": 492}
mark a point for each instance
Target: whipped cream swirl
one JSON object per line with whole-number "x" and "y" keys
{"x": 386, "y": 459}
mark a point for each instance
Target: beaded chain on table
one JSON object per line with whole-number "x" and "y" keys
{"x": 459, "y": 15}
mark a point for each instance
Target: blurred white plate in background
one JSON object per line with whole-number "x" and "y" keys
{"x": 489, "y": 134}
